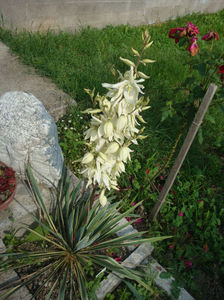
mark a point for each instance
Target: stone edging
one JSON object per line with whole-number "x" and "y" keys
{"x": 141, "y": 255}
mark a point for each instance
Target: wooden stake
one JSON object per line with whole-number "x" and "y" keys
{"x": 184, "y": 149}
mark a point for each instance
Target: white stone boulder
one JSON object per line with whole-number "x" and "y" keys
{"x": 29, "y": 134}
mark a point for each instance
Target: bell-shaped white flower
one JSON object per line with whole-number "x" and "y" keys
{"x": 88, "y": 157}
{"x": 108, "y": 129}
{"x": 124, "y": 153}
{"x": 91, "y": 134}
{"x": 121, "y": 123}
{"x": 129, "y": 88}
{"x": 112, "y": 148}
{"x": 118, "y": 168}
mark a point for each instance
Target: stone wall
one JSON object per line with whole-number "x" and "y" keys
{"x": 71, "y": 14}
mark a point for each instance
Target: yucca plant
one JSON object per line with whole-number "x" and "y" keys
{"x": 74, "y": 234}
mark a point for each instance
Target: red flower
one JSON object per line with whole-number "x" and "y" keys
{"x": 180, "y": 214}
{"x": 118, "y": 259}
{"x": 133, "y": 203}
{"x": 210, "y": 36}
{"x": 147, "y": 171}
{"x": 138, "y": 220}
{"x": 192, "y": 30}
{"x": 8, "y": 172}
{"x": 205, "y": 247}
{"x": 7, "y": 179}
{"x": 11, "y": 188}
{"x": 11, "y": 181}
{"x": 96, "y": 196}
{"x": 193, "y": 46}
{"x": 187, "y": 263}
{"x": 177, "y": 33}
{"x": 3, "y": 184}
{"x": 189, "y": 31}
{"x": 221, "y": 71}
{"x": 171, "y": 246}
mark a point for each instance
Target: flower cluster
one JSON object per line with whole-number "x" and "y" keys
{"x": 189, "y": 34}
{"x": 212, "y": 35}
{"x": 113, "y": 127}
{"x": 7, "y": 182}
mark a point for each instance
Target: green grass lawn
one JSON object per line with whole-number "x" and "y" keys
{"x": 84, "y": 59}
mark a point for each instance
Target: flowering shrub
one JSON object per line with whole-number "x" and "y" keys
{"x": 7, "y": 182}
{"x": 186, "y": 34}
{"x": 205, "y": 67}
{"x": 113, "y": 126}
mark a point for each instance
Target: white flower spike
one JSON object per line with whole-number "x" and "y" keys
{"x": 113, "y": 127}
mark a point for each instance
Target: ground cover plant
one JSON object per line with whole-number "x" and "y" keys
{"x": 193, "y": 212}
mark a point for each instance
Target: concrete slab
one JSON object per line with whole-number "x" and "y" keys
{"x": 16, "y": 76}
{"x": 154, "y": 269}
{"x": 21, "y": 294}
{"x": 133, "y": 261}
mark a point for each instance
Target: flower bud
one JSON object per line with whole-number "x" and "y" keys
{"x": 127, "y": 62}
{"x": 148, "y": 61}
{"x": 103, "y": 198}
{"x": 106, "y": 104}
{"x": 88, "y": 157}
{"x": 143, "y": 75}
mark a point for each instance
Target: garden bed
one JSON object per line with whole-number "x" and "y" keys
{"x": 193, "y": 212}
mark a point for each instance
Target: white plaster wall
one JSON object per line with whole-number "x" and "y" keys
{"x": 71, "y": 14}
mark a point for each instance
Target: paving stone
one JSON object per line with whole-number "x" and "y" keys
{"x": 16, "y": 76}
{"x": 154, "y": 270}
{"x": 127, "y": 230}
{"x": 133, "y": 260}
{"x": 21, "y": 294}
